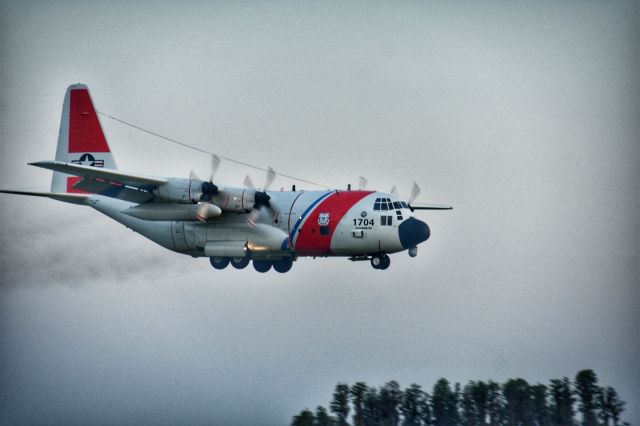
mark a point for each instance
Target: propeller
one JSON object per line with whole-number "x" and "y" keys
{"x": 261, "y": 198}
{"x": 415, "y": 191}
{"x": 209, "y": 190}
{"x": 362, "y": 183}
{"x": 394, "y": 191}
{"x": 215, "y": 163}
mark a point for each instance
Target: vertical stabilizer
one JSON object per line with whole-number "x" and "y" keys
{"x": 81, "y": 139}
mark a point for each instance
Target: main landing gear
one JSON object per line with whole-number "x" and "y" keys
{"x": 380, "y": 261}
{"x": 283, "y": 265}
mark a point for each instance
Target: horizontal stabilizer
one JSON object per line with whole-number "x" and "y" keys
{"x": 428, "y": 206}
{"x": 135, "y": 180}
{"x": 60, "y": 196}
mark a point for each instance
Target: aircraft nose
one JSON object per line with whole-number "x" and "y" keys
{"x": 412, "y": 232}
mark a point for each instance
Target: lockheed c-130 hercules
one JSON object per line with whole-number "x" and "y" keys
{"x": 229, "y": 225}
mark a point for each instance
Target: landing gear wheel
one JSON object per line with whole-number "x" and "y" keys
{"x": 261, "y": 265}
{"x": 283, "y": 265}
{"x": 376, "y": 261}
{"x": 386, "y": 261}
{"x": 219, "y": 262}
{"x": 240, "y": 262}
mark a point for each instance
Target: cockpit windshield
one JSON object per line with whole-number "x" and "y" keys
{"x": 387, "y": 204}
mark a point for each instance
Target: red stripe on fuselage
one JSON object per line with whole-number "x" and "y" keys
{"x": 310, "y": 241}
{"x": 85, "y": 132}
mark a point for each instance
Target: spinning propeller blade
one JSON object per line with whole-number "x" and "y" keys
{"x": 261, "y": 198}
{"x": 362, "y": 183}
{"x": 415, "y": 191}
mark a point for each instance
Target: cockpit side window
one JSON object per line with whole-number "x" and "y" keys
{"x": 397, "y": 205}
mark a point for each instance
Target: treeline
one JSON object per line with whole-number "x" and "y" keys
{"x": 513, "y": 403}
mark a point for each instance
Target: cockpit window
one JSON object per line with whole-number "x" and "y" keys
{"x": 387, "y": 204}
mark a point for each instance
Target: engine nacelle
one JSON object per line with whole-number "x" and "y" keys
{"x": 190, "y": 191}
{"x": 235, "y": 200}
{"x": 179, "y": 190}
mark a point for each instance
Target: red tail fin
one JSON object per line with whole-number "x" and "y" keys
{"x": 81, "y": 139}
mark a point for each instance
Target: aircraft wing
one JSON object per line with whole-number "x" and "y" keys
{"x": 60, "y": 196}
{"x": 109, "y": 175}
{"x": 428, "y": 206}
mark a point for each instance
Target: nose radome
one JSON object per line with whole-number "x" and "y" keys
{"x": 412, "y": 232}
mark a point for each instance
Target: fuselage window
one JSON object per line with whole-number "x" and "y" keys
{"x": 386, "y": 220}
{"x": 397, "y": 205}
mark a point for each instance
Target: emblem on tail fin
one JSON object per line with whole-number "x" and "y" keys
{"x": 87, "y": 159}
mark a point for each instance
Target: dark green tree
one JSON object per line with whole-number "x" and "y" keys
{"x": 562, "y": 399}
{"x": 426, "y": 411}
{"x": 444, "y": 404}
{"x": 610, "y": 406}
{"x": 323, "y": 418}
{"x": 371, "y": 413}
{"x": 587, "y": 389}
{"x": 517, "y": 408}
{"x": 340, "y": 403}
{"x": 358, "y": 394}
{"x": 495, "y": 404}
{"x": 305, "y": 418}
{"x": 389, "y": 399}
{"x": 539, "y": 405}
{"x": 474, "y": 401}
{"x": 413, "y": 405}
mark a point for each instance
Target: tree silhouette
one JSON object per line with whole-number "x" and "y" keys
{"x": 389, "y": 399}
{"x": 358, "y": 394}
{"x": 586, "y": 387}
{"x": 610, "y": 406}
{"x": 340, "y": 403}
{"x": 539, "y": 406}
{"x": 517, "y": 407}
{"x": 371, "y": 408}
{"x": 414, "y": 402}
{"x": 444, "y": 404}
{"x": 514, "y": 403}
{"x": 562, "y": 400}
{"x": 474, "y": 403}
{"x": 323, "y": 418}
{"x": 305, "y": 418}
{"x": 495, "y": 404}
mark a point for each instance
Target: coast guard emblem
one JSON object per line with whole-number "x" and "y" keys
{"x": 323, "y": 219}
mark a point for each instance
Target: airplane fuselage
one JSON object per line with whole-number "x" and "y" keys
{"x": 305, "y": 223}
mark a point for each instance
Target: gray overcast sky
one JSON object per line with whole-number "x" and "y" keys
{"x": 523, "y": 115}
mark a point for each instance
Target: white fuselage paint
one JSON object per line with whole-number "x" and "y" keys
{"x": 359, "y": 231}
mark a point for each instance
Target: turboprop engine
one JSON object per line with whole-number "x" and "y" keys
{"x": 191, "y": 199}
{"x": 192, "y": 191}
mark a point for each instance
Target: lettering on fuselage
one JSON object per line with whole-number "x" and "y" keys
{"x": 363, "y": 223}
